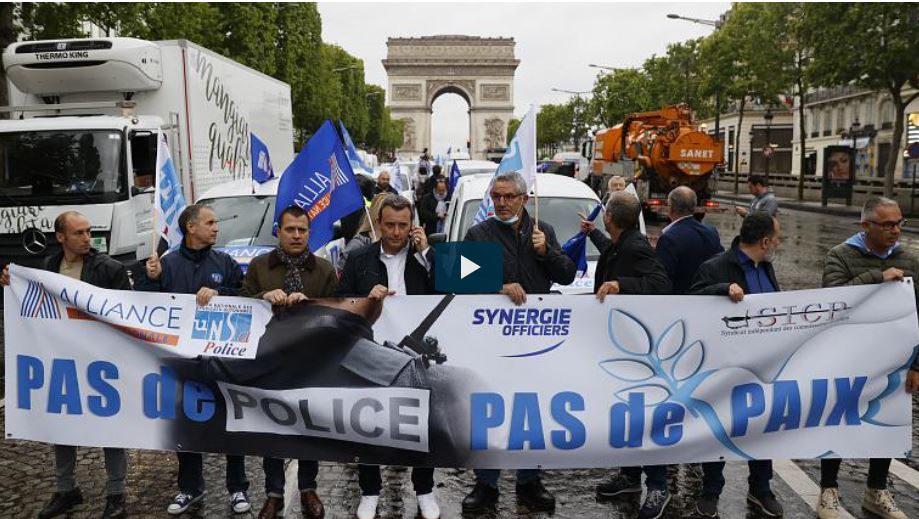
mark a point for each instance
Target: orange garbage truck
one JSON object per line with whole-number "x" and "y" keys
{"x": 658, "y": 151}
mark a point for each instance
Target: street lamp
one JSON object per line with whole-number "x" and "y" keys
{"x": 713, "y": 23}
{"x": 342, "y": 69}
{"x": 767, "y": 150}
{"x": 577, "y": 113}
{"x": 602, "y": 67}
{"x": 717, "y": 25}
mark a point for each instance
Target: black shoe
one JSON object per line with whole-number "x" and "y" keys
{"x": 535, "y": 497}
{"x": 114, "y": 507}
{"x": 481, "y": 498}
{"x": 655, "y": 503}
{"x": 61, "y": 503}
{"x": 767, "y": 504}
{"x": 707, "y": 506}
{"x": 618, "y": 485}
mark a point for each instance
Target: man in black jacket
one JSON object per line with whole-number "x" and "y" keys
{"x": 196, "y": 268}
{"x": 433, "y": 207}
{"x": 686, "y": 243}
{"x": 746, "y": 268}
{"x": 627, "y": 265}
{"x": 400, "y": 263}
{"x": 79, "y": 261}
{"x": 533, "y": 260}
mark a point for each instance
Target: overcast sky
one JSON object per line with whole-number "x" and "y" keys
{"x": 555, "y": 43}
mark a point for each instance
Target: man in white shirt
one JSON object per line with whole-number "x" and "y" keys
{"x": 400, "y": 263}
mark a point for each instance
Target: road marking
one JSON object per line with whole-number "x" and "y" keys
{"x": 905, "y": 472}
{"x": 801, "y": 483}
{"x": 291, "y": 492}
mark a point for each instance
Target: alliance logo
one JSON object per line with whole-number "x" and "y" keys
{"x": 38, "y": 303}
{"x": 225, "y": 323}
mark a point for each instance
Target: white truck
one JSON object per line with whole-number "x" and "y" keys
{"x": 85, "y": 118}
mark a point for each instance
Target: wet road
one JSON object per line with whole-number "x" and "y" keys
{"x": 25, "y": 467}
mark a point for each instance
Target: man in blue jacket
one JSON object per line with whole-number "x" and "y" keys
{"x": 686, "y": 243}
{"x": 195, "y": 268}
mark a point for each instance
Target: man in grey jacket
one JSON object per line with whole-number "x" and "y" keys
{"x": 869, "y": 257}
{"x": 763, "y": 199}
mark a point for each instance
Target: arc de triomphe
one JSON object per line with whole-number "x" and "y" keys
{"x": 481, "y": 70}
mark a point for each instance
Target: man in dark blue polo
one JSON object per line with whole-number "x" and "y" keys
{"x": 686, "y": 243}
{"x": 746, "y": 268}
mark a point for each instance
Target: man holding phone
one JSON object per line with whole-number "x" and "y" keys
{"x": 400, "y": 263}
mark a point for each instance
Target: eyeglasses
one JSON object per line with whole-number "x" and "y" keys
{"x": 505, "y": 198}
{"x": 888, "y": 226}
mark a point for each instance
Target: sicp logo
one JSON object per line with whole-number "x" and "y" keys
{"x": 468, "y": 267}
{"x": 38, "y": 303}
{"x": 217, "y": 325}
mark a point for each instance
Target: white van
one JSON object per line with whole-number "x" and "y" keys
{"x": 560, "y": 201}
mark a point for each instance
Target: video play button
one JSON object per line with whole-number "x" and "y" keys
{"x": 468, "y": 267}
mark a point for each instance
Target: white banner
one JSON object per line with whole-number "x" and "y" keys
{"x": 562, "y": 381}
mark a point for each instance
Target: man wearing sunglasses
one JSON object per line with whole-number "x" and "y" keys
{"x": 869, "y": 257}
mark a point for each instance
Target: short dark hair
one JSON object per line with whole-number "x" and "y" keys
{"x": 422, "y": 170}
{"x": 190, "y": 215}
{"x": 682, "y": 200}
{"x": 60, "y": 223}
{"x": 623, "y": 208}
{"x": 758, "y": 179}
{"x": 755, "y": 227}
{"x": 440, "y": 180}
{"x": 436, "y": 169}
{"x": 394, "y": 202}
{"x": 294, "y": 211}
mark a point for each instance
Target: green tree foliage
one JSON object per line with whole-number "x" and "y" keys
{"x": 553, "y": 124}
{"x": 352, "y": 96}
{"x": 618, "y": 94}
{"x": 676, "y": 77}
{"x": 872, "y": 45}
{"x": 512, "y": 126}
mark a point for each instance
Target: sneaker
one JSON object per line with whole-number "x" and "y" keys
{"x": 114, "y": 507}
{"x": 61, "y": 503}
{"x": 881, "y": 503}
{"x": 654, "y": 504}
{"x": 427, "y": 506}
{"x": 272, "y": 509}
{"x": 240, "y": 503}
{"x": 618, "y": 485}
{"x": 183, "y": 502}
{"x": 828, "y": 507}
{"x": 707, "y": 506}
{"x": 535, "y": 497}
{"x": 767, "y": 504}
{"x": 482, "y": 498}
{"x": 367, "y": 509}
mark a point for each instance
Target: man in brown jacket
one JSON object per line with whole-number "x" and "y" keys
{"x": 285, "y": 276}
{"x": 869, "y": 257}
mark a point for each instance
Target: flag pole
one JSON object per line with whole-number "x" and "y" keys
{"x": 536, "y": 197}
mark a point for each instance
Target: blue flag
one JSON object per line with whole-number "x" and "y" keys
{"x": 576, "y": 246}
{"x": 261, "y": 162}
{"x": 353, "y": 157}
{"x": 454, "y": 179}
{"x": 321, "y": 182}
{"x": 168, "y": 201}
{"x": 395, "y": 177}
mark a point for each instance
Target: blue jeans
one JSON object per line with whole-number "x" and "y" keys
{"x": 655, "y": 475}
{"x": 490, "y": 476}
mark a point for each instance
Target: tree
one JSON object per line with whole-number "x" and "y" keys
{"x": 553, "y": 124}
{"x": 869, "y": 45}
{"x": 512, "y": 126}
{"x": 617, "y": 94}
{"x": 301, "y": 63}
{"x": 676, "y": 77}
{"x": 352, "y": 101}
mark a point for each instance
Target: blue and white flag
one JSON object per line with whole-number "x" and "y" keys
{"x": 576, "y": 246}
{"x": 395, "y": 177}
{"x": 353, "y": 157}
{"x": 168, "y": 200}
{"x": 520, "y": 157}
{"x": 454, "y": 179}
{"x": 321, "y": 182}
{"x": 261, "y": 162}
